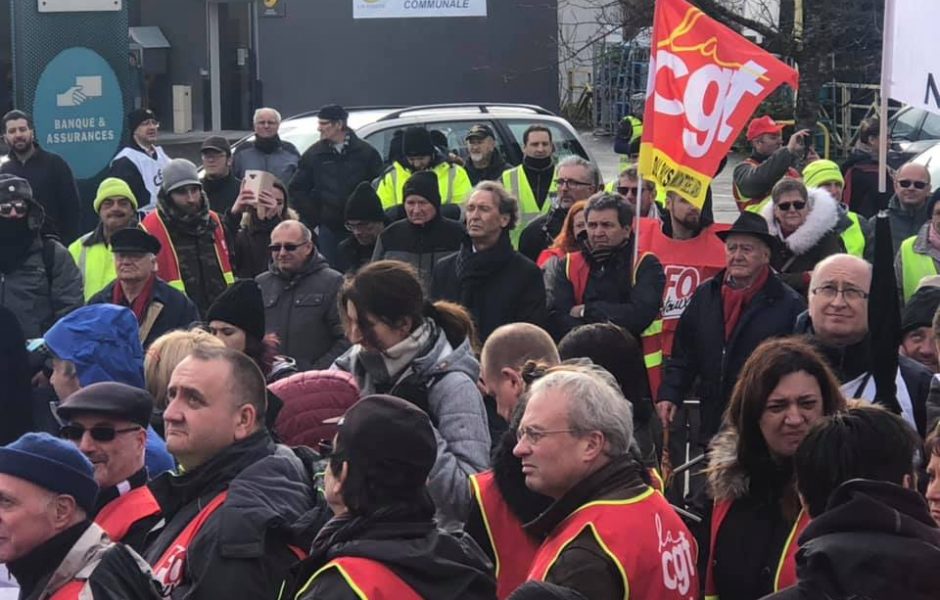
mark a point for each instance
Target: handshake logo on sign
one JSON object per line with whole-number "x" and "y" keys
{"x": 84, "y": 89}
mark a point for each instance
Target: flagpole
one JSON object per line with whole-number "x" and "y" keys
{"x": 887, "y": 59}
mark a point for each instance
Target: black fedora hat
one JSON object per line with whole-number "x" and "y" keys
{"x": 749, "y": 223}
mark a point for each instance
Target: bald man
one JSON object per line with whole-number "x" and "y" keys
{"x": 837, "y": 321}
{"x": 907, "y": 209}
{"x": 501, "y": 502}
{"x": 299, "y": 290}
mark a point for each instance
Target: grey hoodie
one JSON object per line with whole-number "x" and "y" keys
{"x": 456, "y": 407}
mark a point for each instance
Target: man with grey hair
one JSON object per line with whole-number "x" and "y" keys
{"x": 299, "y": 291}
{"x": 606, "y": 521}
{"x": 267, "y": 152}
{"x": 494, "y": 282}
{"x": 576, "y": 179}
{"x": 837, "y": 322}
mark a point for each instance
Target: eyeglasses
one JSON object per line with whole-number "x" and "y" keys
{"x": 99, "y": 433}
{"x": 286, "y": 247}
{"x": 906, "y": 183}
{"x": 571, "y": 183}
{"x": 536, "y": 435}
{"x": 829, "y": 292}
{"x": 786, "y": 206}
{"x": 631, "y": 190}
{"x": 19, "y": 206}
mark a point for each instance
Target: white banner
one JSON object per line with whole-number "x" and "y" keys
{"x": 912, "y": 48}
{"x": 403, "y": 9}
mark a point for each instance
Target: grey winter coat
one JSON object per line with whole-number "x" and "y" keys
{"x": 456, "y": 409}
{"x": 904, "y": 222}
{"x": 302, "y": 311}
{"x": 37, "y": 300}
{"x": 282, "y": 162}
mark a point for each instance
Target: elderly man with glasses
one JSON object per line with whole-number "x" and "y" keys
{"x": 108, "y": 423}
{"x": 267, "y": 151}
{"x": 837, "y": 321}
{"x": 299, "y": 292}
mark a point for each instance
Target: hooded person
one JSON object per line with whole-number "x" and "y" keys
{"x": 424, "y": 236}
{"x": 49, "y": 544}
{"x": 852, "y": 227}
{"x": 116, "y": 207}
{"x": 383, "y": 538}
{"x": 39, "y": 281}
{"x": 365, "y": 220}
{"x": 419, "y": 154}
{"x": 99, "y": 343}
{"x": 194, "y": 255}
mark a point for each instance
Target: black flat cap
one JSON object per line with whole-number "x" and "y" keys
{"x": 112, "y": 399}
{"x": 332, "y": 112}
{"x": 218, "y": 143}
{"x": 134, "y": 240}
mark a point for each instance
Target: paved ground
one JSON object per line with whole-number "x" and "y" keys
{"x": 601, "y": 147}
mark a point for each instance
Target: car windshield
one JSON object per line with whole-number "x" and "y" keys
{"x": 930, "y": 158}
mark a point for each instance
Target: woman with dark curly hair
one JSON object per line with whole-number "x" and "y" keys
{"x": 784, "y": 387}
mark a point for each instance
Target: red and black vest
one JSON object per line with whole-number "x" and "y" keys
{"x": 369, "y": 579}
{"x": 119, "y": 515}
{"x": 648, "y": 543}
{"x": 513, "y": 549}
{"x": 578, "y": 272}
{"x": 168, "y": 263}
{"x": 69, "y": 591}
{"x": 785, "y": 575}
{"x": 686, "y": 263}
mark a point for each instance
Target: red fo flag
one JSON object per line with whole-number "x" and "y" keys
{"x": 705, "y": 82}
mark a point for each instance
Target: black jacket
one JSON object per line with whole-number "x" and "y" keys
{"x": 222, "y": 192}
{"x": 405, "y": 539}
{"x": 492, "y": 172}
{"x": 876, "y": 540}
{"x": 498, "y": 285}
{"x": 54, "y": 188}
{"x": 16, "y": 371}
{"x": 420, "y": 246}
{"x": 242, "y": 549}
{"x": 611, "y": 295}
{"x": 325, "y": 179}
{"x": 851, "y": 362}
{"x": 700, "y": 352}
{"x": 249, "y": 245}
{"x": 178, "y": 311}
{"x": 351, "y": 255}
{"x": 541, "y": 232}
{"x": 861, "y": 194}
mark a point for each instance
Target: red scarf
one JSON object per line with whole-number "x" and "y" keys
{"x": 734, "y": 301}
{"x": 140, "y": 303}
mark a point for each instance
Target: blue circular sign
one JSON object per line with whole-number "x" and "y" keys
{"x": 79, "y": 110}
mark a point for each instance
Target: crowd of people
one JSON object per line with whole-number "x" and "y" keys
{"x": 446, "y": 376}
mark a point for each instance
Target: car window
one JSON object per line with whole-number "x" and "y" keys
{"x": 382, "y": 141}
{"x": 301, "y": 133}
{"x": 930, "y": 130}
{"x": 565, "y": 142}
{"x": 453, "y": 133}
{"x": 905, "y": 125}
{"x": 930, "y": 158}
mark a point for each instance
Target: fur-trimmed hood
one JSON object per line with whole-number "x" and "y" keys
{"x": 822, "y": 218}
{"x": 727, "y": 479}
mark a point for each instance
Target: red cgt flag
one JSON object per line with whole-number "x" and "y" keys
{"x": 705, "y": 82}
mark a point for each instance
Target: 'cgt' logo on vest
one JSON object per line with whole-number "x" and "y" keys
{"x": 676, "y": 555}
{"x": 170, "y": 570}
{"x": 681, "y": 283}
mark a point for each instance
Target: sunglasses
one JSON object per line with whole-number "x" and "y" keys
{"x": 287, "y": 247}
{"x": 626, "y": 191}
{"x": 19, "y": 206}
{"x": 99, "y": 433}
{"x": 786, "y": 206}
{"x": 906, "y": 183}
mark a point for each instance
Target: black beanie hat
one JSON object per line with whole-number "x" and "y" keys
{"x": 417, "y": 142}
{"x": 136, "y": 117}
{"x": 242, "y": 306}
{"x": 920, "y": 309}
{"x": 364, "y": 204}
{"x": 424, "y": 184}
